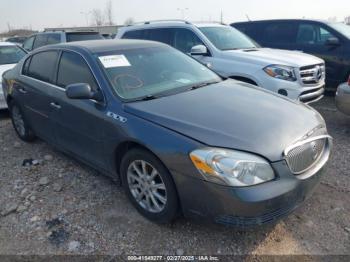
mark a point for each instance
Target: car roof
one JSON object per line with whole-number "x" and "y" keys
{"x": 100, "y": 46}
{"x": 283, "y": 20}
{"x": 7, "y": 44}
{"x": 171, "y": 23}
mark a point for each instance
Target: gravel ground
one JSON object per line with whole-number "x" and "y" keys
{"x": 58, "y": 206}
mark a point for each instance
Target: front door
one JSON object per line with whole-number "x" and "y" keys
{"x": 79, "y": 124}
{"x": 312, "y": 39}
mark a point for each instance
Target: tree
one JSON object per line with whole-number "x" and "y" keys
{"x": 109, "y": 13}
{"x": 97, "y": 17}
{"x": 129, "y": 21}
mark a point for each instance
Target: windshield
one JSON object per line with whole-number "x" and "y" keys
{"x": 342, "y": 28}
{"x": 227, "y": 38}
{"x": 139, "y": 73}
{"x": 10, "y": 54}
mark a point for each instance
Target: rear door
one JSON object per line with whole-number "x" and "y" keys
{"x": 79, "y": 124}
{"x": 34, "y": 91}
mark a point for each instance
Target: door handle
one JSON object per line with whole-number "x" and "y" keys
{"x": 55, "y": 105}
{"x": 22, "y": 90}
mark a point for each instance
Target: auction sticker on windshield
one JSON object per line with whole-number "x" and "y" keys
{"x": 114, "y": 61}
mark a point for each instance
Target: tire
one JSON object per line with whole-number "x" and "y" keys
{"x": 24, "y": 132}
{"x": 158, "y": 188}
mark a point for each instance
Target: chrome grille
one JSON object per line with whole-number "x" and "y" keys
{"x": 305, "y": 154}
{"x": 312, "y": 74}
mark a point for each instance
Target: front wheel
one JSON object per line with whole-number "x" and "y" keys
{"x": 19, "y": 123}
{"x": 149, "y": 186}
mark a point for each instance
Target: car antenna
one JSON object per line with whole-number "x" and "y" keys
{"x": 248, "y": 18}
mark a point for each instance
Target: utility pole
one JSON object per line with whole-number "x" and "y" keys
{"x": 222, "y": 18}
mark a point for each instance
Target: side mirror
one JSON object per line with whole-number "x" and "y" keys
{"x": 199, "y": 50}
{"x": 82, "y": 91}
{"x": 332, "y": 41}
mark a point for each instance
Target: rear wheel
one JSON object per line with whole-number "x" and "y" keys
{"x": 149, "y": 186}
{"x": 19, "y": 123}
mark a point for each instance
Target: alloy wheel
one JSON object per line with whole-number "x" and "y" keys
{"x": 18, "y": 120}
{"x": 147, "y": 186}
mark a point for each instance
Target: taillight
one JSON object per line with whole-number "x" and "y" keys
{"x": 349, "y": 81}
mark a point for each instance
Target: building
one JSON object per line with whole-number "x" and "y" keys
{"x": 104, "y": 30}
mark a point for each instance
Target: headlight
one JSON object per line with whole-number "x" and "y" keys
{"x": 281, "y": 72}
{"x": 233, "y": 168}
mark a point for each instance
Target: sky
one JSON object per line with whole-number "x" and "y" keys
{"x": 38, "y": 14}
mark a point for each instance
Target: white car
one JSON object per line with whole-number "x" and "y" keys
{"x": 10, "y": 54}
{"x": 232, "y": 54}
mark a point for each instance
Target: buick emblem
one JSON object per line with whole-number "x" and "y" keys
{"x": 314, "y": 150}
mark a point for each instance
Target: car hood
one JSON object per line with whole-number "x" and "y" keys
{"x": 268, "y": 56}
{"x": 4, "y": 68}
{"x": 233, "y": 115}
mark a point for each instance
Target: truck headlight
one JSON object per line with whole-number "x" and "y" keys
{"x": 233, "y": 168}
{"x": 281, "y": 72}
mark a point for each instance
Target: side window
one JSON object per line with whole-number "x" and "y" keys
{"x": 73, "y": 69}
{"x": 279, "y": 33}
{"x": 138, "y": 34}
{"x": 26, "y": 66}
{"x": 53, "y": 39}
{"x": 40, "y": 41}
{"x": 312, "y": 34}
{"x": 42, "y": 66}
{"x": 185, "y": 39}
{"x": 28, "y": 44}
{"x": 163, "y": 35}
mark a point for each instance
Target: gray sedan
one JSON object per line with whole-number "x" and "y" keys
{"x": 181, "y": 139}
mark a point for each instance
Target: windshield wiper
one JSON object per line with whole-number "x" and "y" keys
{"x": 148, "y": 97}
{"x": 193, "y": 87}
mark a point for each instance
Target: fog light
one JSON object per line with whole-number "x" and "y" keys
{"x": 283, "y": 92}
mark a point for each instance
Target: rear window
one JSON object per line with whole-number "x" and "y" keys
{"x": 72, "y": 37}
{"x": 42, "y": 66}
{"x": 137, "y": 34}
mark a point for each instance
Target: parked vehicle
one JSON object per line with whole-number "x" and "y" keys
{"x": 10, "y": 54}
{"x": 342, "y": 98}
{"x": 16, "y": 39}
{"x": 233, "y": 55}
{"x": 329, "y": 41}
{"x": 55, "y": 37}
{"x": 144, "y": 113}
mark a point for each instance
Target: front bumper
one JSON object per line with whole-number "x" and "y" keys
{"x": 342, "y": 98}
{"x": 249, "y": 206}
{"x": 293, "y": 90}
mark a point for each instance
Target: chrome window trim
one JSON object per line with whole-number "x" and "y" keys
{"x": 319, "y": 163}
{"x": 58, "y": 87}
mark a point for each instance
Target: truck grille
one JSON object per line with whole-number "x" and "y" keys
{"x": 312, "y": 74}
